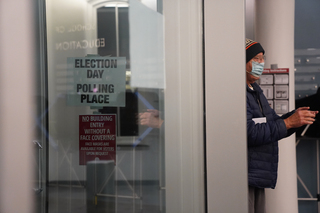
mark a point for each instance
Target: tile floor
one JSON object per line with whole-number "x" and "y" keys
{"x": 70, "y": 199}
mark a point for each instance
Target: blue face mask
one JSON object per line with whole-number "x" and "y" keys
{"x": 257, "y": 69}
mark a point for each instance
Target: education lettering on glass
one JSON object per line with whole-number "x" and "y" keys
{"x": 97, "y": 81}
{"x": 83, "y": 44}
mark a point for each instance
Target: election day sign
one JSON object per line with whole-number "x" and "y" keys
{"x": 97, "y": 138}
{"x": 97, "y": 81}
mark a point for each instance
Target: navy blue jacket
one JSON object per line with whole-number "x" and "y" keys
{"x": 263, "y": 139}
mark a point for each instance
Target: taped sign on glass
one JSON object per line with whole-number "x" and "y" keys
{"x": 97, "y": 81}
{"x": 97, "y": 138}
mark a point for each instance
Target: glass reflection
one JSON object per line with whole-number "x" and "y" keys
{"x": 307, "y": 93}
{"x": 134, "y": 181}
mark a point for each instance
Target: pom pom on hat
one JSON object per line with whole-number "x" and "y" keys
{"x": 252, "y": 49}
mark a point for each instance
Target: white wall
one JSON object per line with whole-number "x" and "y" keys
{"x": 250, "y": 18}
{"x": 275, "y": 31}
{"x": 16, "y": 81}
{"x": 226, "y": 142}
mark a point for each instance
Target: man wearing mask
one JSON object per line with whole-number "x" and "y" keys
{"x": 264, "y": 129}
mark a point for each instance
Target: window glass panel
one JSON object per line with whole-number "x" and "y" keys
{"x": 103, "y": 157}
{"x": 307, "y": 93}
{"x": 106, "y": 27}
{"x": 107, "y": 92}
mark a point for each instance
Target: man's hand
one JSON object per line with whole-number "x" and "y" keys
{"x": 302, "y": 116}
{"x": 151, "y": 118}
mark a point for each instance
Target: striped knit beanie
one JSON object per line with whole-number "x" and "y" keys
{"x": 252, "y": 49}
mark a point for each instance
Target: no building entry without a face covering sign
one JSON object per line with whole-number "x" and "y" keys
{"x": 97, "y": 138}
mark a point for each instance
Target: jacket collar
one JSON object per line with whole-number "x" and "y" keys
{"x": 256, "y": 88}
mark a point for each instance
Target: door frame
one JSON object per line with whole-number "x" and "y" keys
{"x": 226, "y": 147}
{"x": 184, "y": 117}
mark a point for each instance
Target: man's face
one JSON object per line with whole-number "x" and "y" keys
{"x": 250, "y": 78}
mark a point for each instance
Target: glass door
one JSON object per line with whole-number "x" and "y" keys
{"x": 106, "y": 106}
{"x": 109, "y": 75}
{"x": 41, "y": 136}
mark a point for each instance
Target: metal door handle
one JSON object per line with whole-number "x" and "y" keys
{"x": 37, "y": 191}
{"x": 37, "y": 143}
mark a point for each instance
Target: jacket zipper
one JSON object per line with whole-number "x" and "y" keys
{"x": 258, "y": 100}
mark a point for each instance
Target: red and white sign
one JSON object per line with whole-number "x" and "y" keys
{"x": 97, "y": 138}
{"x": 276, "y": 71}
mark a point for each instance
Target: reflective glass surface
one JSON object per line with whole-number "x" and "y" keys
{"x": 307, "y": 93}
{"x": 106, "y": 106}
